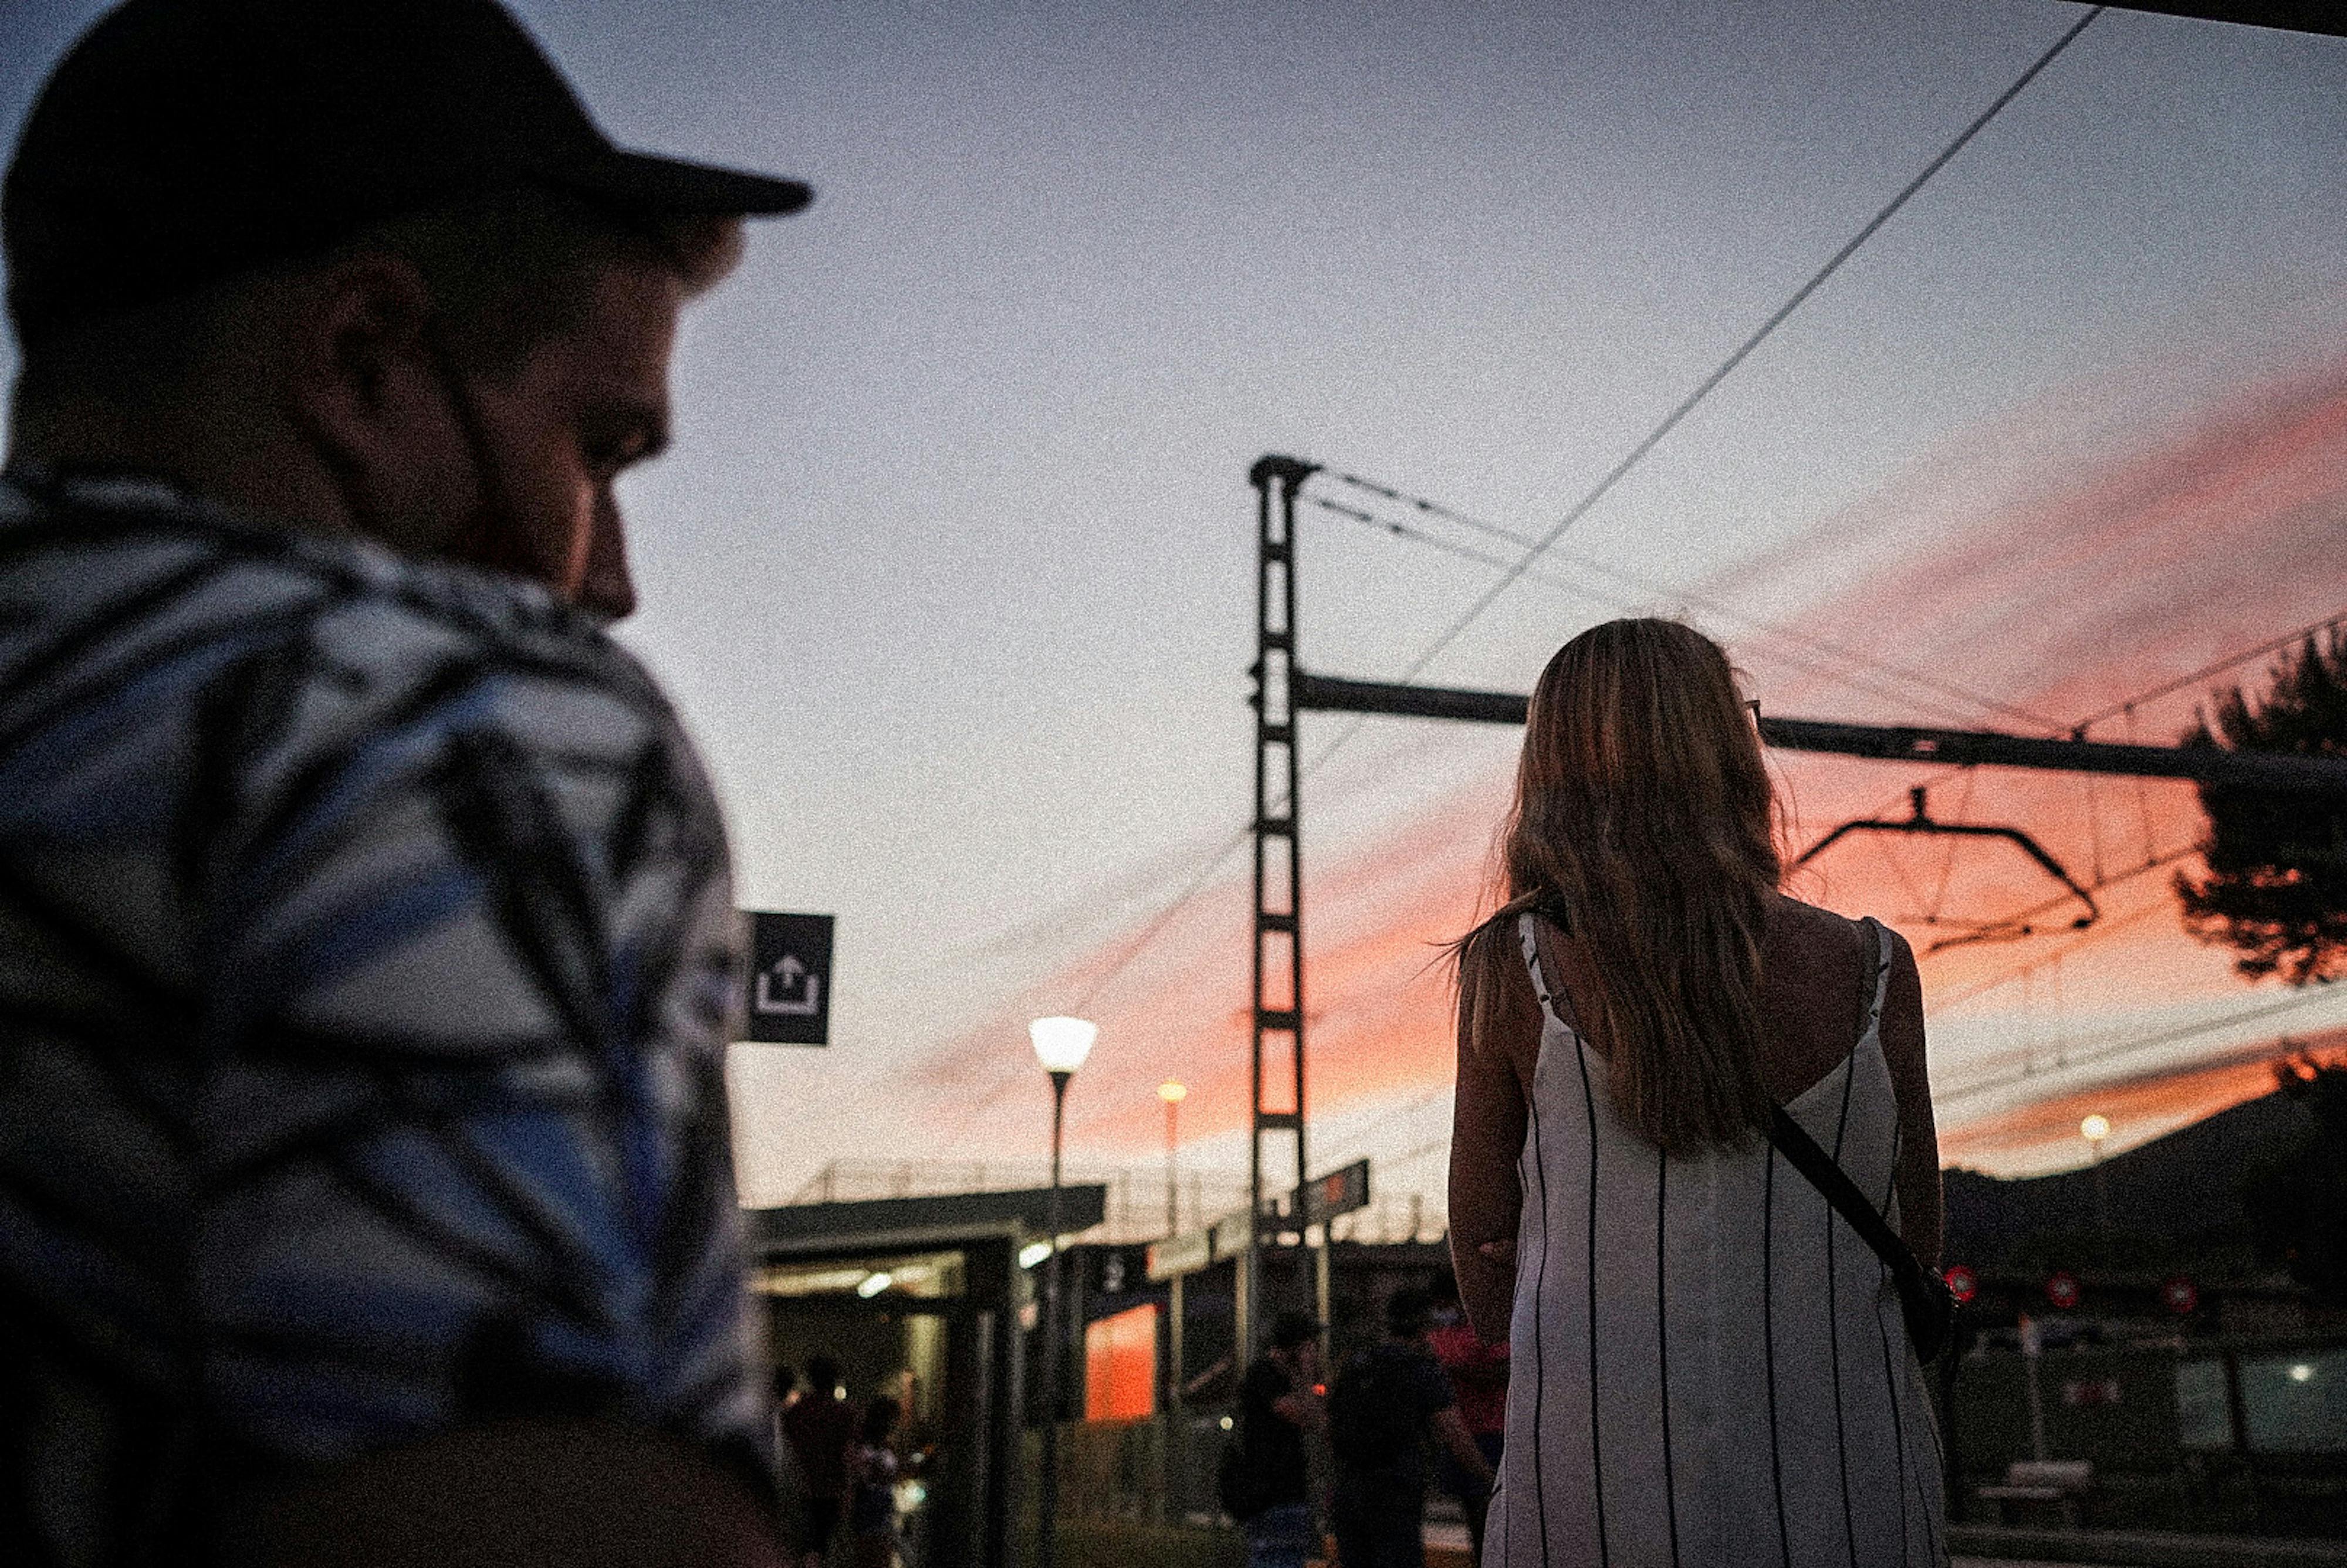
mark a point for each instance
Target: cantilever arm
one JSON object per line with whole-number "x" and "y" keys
{"x": 1919, "y": 821}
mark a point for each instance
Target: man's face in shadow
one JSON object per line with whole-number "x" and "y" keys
{"x": 555, "y": 433}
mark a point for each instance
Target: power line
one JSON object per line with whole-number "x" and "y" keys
{"x": 2153, "y": 859}
{"x": 1660, "y": 591}
{"x": 2101, "y": 930}
{"x": 2185, "y": 1032}
{"x": 960, "y": 1130}
{"x": 2330, "y": 623}
{"x": 1164, "y": 917}
{"x": 1468, "y": 552}
{"x": 1687, "y": 405}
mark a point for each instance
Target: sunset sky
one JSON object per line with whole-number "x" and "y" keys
{"x": 950, "y": 568}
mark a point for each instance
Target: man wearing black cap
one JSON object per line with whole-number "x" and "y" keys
{"x": 366, "y": 938}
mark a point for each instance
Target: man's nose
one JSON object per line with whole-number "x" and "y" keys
{"x": 608, "y": 590}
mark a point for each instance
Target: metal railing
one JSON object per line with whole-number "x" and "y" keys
{"x": 1136, "y": 1200}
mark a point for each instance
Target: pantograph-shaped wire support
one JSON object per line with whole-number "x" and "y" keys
{"x": 1919, "y": 821}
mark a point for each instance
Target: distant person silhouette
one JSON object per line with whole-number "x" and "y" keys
{"x": 1477, "y": 1370}
{"x": 1266, "y": 1482}
{"x": 1388, "y": 1403}
{"x": 790, "y": 1484}
{"x": 821, "y": 1428}
{"x": 1709, "y": 1364}
{"x": 872, "y": 1487}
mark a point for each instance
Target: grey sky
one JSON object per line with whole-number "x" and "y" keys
{"x": 949, "y": 570}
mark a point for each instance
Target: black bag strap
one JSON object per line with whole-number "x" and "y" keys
{"x": 1801, "y": 1152}
{"x": 1826, "y": 1175}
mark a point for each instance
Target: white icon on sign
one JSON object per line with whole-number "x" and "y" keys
{"x": 789, "y": 972}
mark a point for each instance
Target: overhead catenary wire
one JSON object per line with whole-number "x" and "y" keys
{"x": 1164, "y": 917}
{"x": 980, "y": 1104}
{"x": 2101, "y": 931}
{"x": 1140, "y": 943}
{"x": 2153, "y": 857}
{"x": 1657, "y": 591}
{"x": 1976, "y": 1088}
{"x": 2331, "y": 623}
{"x": 1726, "y": 367}
{"x": 1948, "y": 859}
{"x": 1468, "y": 552}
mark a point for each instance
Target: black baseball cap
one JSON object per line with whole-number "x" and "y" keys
{"x": 182, "y": 141}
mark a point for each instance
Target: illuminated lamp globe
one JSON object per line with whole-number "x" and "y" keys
{"x": 1173, "y": 1092}
{"x": 1062, "y": 1043}
{"x": 2095, "y": 1129}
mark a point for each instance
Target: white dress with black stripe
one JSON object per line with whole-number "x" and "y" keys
{"x": 1709, "y": 1364}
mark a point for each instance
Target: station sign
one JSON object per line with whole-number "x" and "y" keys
{"x": 789, "y": 999}
{"x": 1337, "y": 1192}
{"x": 1317, "y": 1202}
{"x": 1114, "y": 1270}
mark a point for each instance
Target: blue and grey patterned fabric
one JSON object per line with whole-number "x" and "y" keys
{"x": 366, "y": 956}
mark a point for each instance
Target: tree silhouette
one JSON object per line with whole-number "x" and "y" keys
{"x": 2296, "y": 1196}
{"x": 2276, "y": 885}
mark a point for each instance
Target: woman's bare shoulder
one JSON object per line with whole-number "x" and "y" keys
{"x": 1811, "y": 929}
{"x": 1815, "y": 934}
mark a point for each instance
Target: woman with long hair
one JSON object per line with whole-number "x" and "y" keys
{"x": 1710, "y": 1366}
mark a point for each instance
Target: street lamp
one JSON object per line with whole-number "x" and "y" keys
{"x": 1060, "y": 1045}
{"x": 1173, "y": 1092}
{"x": 2093, "y": 1130}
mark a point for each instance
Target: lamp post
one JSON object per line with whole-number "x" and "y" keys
{"x": 2093, "y": 1130}
{"x": 1173, "y": 1092}
{"x": 1060, "y": 1045}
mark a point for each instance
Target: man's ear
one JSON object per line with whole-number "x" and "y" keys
{"x": 362, "y": 383}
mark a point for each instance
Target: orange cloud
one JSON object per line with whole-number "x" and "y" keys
{"x": 2044, "y": 1135}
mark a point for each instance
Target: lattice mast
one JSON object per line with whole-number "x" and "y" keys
{"x": 1278, "y": 1013}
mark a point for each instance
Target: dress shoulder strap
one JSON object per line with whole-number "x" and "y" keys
{"x": 1533, "y": 963}
{"x": 1878, "y": 945}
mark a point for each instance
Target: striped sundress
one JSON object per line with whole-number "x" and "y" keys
{"x": 1710, "y": 1366}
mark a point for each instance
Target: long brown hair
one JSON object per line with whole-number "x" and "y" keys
{"x": 1642, "y": 814}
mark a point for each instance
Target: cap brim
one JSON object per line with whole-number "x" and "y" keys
{"x": 646, "y": 183}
